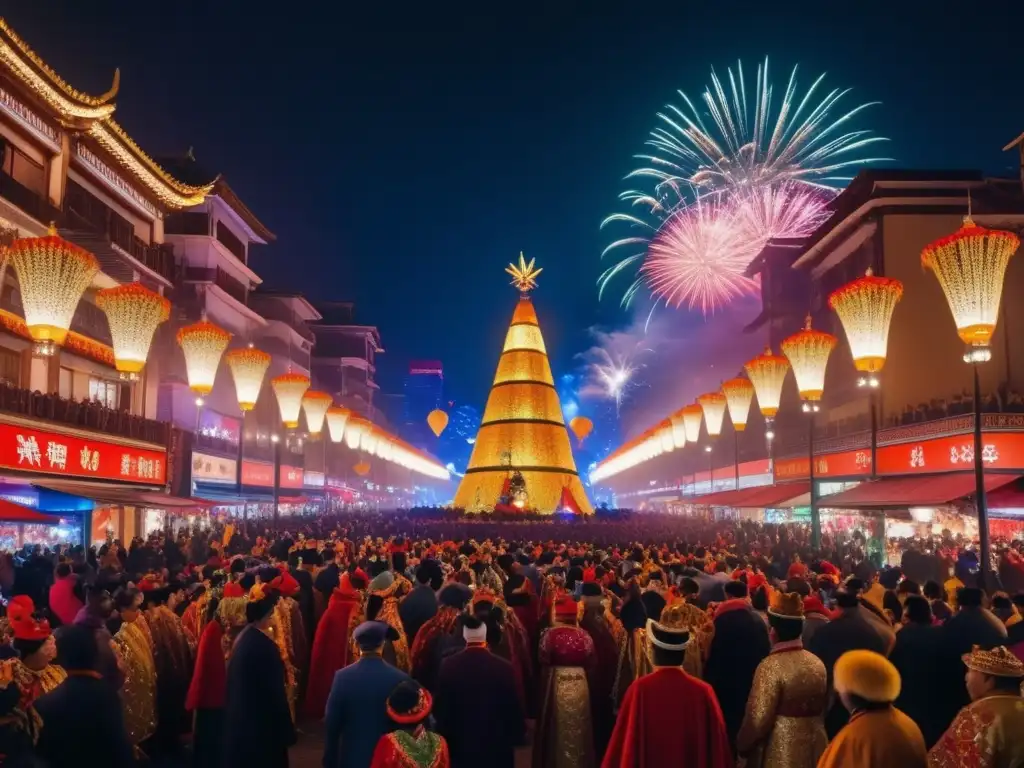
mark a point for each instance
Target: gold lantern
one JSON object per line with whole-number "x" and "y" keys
{"x": 362, "y": 468}
{"x": 970, "y": 265}
{"x": 808, "y": 352}
{"x": 336, "y": 418}
{"x": 248, "y": 367}
{"x": 315, "y": 405}
{"x": 713, "y": 404}
{"x": 289, "y": 389}
{"x": 133, "y": 314}
{"x": 678, "y": 429}
{"x": 665, "y": 436}
{"x": 767, "y": 373}
{"x": 354, "y": 430}
{"x": 369, "y": 439}
{"x": 692, "y": 416}
{"x": 738, "y": 394}
{"x": 52, "y": 276}
{"x": 865, "y": 307}
{"x": 203, "y": 344}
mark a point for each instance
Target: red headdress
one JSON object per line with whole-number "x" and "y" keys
{"x": 566, "y": 609}
{"x": 796, "y": 571}
{"x": 416, "y": 714}
{"x": 285, "y": 583}
{"x": 589, "y": 575}
{"x": 233, "y": 589}
{"x": 23, "y": 623}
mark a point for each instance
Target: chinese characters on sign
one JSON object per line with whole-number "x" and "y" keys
{"x": 1000, "y": 450}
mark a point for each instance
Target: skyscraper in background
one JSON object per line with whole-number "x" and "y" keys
{"x": 424, "y": 391}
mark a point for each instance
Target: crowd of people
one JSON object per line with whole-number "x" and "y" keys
{"x": 643, "y": 641}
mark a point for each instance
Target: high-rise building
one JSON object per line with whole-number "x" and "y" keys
{"x": 424, "y": 391}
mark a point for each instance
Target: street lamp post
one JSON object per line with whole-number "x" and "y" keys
{"x": 276, "y": 440}
{"x": 808, "y": 351}
{"x": 767, "y": 373}
{"x": 970, "y": 265}
{"x": 289, "y": 389}
{"x": 248, "y": 368}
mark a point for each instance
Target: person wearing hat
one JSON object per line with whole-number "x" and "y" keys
{"x": 356, "y": 712}
{"x": 34, "y": 670}
{"x": 332, "y": 645}
{"x": 420, "y": 605}
{"x": 94, "y": 614}
{"x": 784, "y": 725}
{"x": 668, "y": 717}
{"x": 877, "y": 734}
{"x": 564, "y": 727}
{"x": 990, "y": 730}
{"x": 386, "y": 591}
{"x": 258, "y": 726}
{"x": 479, "y": 701}
{"x": 411, "y": 745}
{"x": 426, "y": 649}
{"x": 600, "y": 676}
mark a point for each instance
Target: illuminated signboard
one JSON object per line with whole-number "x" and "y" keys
{"x": 261, "y": 474}
{"x": 213, "y": 469}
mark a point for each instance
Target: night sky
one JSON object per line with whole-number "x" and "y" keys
{"x": 403, "y": 153}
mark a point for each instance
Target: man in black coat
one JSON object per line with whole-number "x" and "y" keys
{"x": 257, "y": 721}
{"x": 83, "y": 721}
{"x": 420, "y": 605}
{"x": 850, "y": 630}
{"x": 739, "y": 645}
{"x": 916, "y": 656}
{"x": 477, "y": 704}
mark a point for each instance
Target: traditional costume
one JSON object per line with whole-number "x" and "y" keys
{"x": 668, "y": 717}
{"x": 389, "y": 589}
{"x": 988, "y": 732}
{"x": 564, "y": 735}
{"x": 172, "y": 658}
{"x": 601, "y": 675}
{"x": 138, "y": 694}
{"x": 877, "y": 733}
{"x": 784, "y": 725}
{"x": 332, "y": 645}
{"x": 32, "y": 673}
{"x": 412, "y": 745}
{"x": 289, "y": 634}
{"x": 426, "y": 654}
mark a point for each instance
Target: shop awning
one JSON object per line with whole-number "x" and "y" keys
{"x": 15, "y": 513}
{"x": 134, "y": 496}
{"x": 777, "y": 496}
{"x": 912, "y": 491}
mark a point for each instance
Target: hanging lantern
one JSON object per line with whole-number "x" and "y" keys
{"x": 865, "y": 308}
{"x": 713, "y": 404}
{"x": 315, "y": 405}
{"x": 362, "y": 468}
{"x": 203, "y": 344}
{"x": 354, "y": 430}
{"x": 336, "y": 418}
{"x": 289, "y": 389}
{"x": 970, "y": 265}
{"x": 385, "y": 447}
{"x": 692, "y": 416}
{"x": 133, "y": 314}
{"x": 738, "y": 394}
{"x": 438, "y": 420}
{"x": 248, "y": 367}
{"x": 581, "y": 426}
{"x": 665, "y": 436}
{"x": 808, "y": 352}
{"x": 678, "y": 428}
{"x": 369, "y": 440}
{"x": 52, "y": 276}
{"x": 767, "y": 373}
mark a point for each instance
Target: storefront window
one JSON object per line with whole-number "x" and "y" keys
{"x": 10, "y": 538}
{"x": 104, "y": 392}
{"x": 153, "y": 522}
{"x": 67, "y": 532}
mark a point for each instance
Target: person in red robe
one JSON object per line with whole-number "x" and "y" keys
{"x": 668, "y": 717}
{"x": 411, "y": 745}
{"x": 332, "y": 643}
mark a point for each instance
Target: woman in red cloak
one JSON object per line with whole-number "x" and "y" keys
{"x": 332, "y": 642}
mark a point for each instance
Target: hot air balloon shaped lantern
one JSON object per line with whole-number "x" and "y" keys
{"x": 315, "y": 405}
{"x": 289, "y": 389}
{"x": 336, "y": 420}
{"x": 581, "y": 426}
{"x": 248, "y": 368}
{"x": 437, "y": 420}
{"x": 133, "y": 314}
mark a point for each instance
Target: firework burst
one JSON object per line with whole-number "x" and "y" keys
{"x": 774, "y": 162}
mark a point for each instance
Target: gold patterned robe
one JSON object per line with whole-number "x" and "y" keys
{"x": 172, "y": 657}
{"x": 282, "y": 630}
{"x": 32, "y": 684}
{"x": 138, "y": 694}
{"x": 396, "y": 652}
{"x": 784, "y": 725}
{"x": 988, "y": 733}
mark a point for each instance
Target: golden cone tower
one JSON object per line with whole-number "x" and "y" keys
{"x": 522, "y": 429}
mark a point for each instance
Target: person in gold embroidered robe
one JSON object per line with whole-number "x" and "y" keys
{"x": 988, "y": 732}
{"x": 385, "y": 592}
{"x": 34, "y": 672}
{"x": 172, "y": 656}
{"x": 784, "y": 726}
{"x": 135, "y": 649}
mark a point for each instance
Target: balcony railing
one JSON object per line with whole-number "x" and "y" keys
{"x": 85, "y": 415}
{"x": 236, "y": 289}
{"x": 35, "y": 205}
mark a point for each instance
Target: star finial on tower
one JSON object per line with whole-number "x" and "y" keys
{"x": 524, "y": 276}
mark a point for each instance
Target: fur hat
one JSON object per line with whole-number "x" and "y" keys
{"x": 868, "y": 675}
{"x": 786, "y": 605}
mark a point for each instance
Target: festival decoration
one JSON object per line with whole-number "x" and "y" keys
{"x": 678, "y": 429}
{"x": 767, "y": 374}
{"x": 203, "y": 344}
{"x": 248, "y": 368}
{"x": 336, "y": 419}
{"x": 808, "y": 352}
{"x": 437, "y": 420}
{"x": 713, "y": 404}
{"x": 693, "y": 414}
{"x": 664, "y": 433}
{"x": 524, "y": 276}
{"x": 970, "y": 265}
{"x": 355, "y": 428}
{"x": 133, "y": 314}
{"x": 581, "y": 426}
{"x": 52, "y": 276}
{"x": 289, "y": 389}
{"x": 865, "y": 308}
{"x": 368, "y": 441}
{"x": 362, "y": 468}
{"x": 315, "y": 405}
{"x": 738, "y": 394}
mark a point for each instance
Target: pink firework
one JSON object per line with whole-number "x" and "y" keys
{"x": 699, "y": 256}
{"x": 789, "y": 209}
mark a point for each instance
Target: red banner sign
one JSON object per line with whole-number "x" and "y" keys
{"x": 38, "y": 450}
{"x": 1000, "y": 450}
{"x": 841, "y": 464}
{"x": 261, "y": 474}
